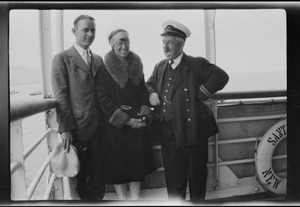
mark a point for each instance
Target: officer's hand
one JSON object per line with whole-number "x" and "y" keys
{"x": 67, "y": 140}
{"x": 154, "y": 99}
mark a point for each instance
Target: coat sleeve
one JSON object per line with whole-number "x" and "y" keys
{"x": 60, "y": 87}
{"x": 151, "y": 82}
{"x": 145, "y": 103}
{"x": 213, "y": 78}
{"x": 115, "y": 115}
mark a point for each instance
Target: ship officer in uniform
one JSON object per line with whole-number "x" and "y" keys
{"x": 179, "y": 88}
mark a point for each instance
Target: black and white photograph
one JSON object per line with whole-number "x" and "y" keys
{"x": 149, "y": 103}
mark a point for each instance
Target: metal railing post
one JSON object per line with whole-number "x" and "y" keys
{"x": 210, "y": 42}
{"x": 52, "y": 141}
{"x": 215, "y": 111}
{"x": 46, "y": 50}
{"x": 210, "y": 48}
{"x": 18, "y": 181}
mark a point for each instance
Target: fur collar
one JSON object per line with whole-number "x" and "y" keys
{"x": 118, "y": 70}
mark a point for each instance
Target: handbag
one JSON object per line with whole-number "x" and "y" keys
{"x": 134, "y": 114}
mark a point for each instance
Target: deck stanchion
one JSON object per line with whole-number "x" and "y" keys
{"x": 210, "y": 46}
{"x": 53, "y": 139}
{"x": 46, "y": 51}
{"x": 18, "y": 181}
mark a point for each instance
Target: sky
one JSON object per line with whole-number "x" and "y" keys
{"x": 246, "y": 40}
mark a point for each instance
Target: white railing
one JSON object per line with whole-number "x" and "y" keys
{"x": 20, "y": 110}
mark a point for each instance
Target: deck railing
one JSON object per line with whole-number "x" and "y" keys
{"x": 57, "y": 187}
{"x": 19, "y": 110}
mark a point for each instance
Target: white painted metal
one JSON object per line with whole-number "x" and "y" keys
{"x": 49, "y": 187}
{"x": 53, "y": 140}
{"x": 47, "y": 38}
{"x": 37, "y": 177}
{"x": 46, "y": 50}
{"x": 210, "y": 48}
{"x": 14, "y": 166}
{"x": 226, "y": 177}
{"x": 252, "y": 118}
{"x": 210, "y": 42}
{"x": 32, "y": 147}
{"x": 240, "y": 140}
{"x": 244, "y": 186}
{"x": 18, "y": 181}
{"x": 57, "y": 31}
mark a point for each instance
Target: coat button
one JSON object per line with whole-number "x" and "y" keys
{"x": 189, "y": 120}
{"x": 187, "y": 100}
{"x": 188, "y": 110}
{"x": 185, "y": 89}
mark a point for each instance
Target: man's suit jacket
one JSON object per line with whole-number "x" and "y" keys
{"x": 74, "y": 90}
{"x": 193, "y": 121}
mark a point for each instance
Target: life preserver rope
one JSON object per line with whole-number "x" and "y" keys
{"x": 263, "y": 159}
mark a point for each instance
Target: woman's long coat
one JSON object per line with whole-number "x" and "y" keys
{"x": 128, "y": 151}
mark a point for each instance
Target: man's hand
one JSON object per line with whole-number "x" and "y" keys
{"x": 67, "y": 140}
{"x": 154, "y": 99}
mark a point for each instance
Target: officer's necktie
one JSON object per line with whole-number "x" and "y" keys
{"x": 170, "y": 63}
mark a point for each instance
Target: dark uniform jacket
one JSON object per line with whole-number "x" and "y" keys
{"x": 74, "y": 90}
{"x": 195, "y": 82}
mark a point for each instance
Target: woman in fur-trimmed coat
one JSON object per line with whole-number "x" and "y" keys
{"x": 128, "y": 151}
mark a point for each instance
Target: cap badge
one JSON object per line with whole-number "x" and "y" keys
{"x": 169, "y": 28}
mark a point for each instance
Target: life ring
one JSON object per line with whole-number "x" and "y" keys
{"x": 263, "y": 159}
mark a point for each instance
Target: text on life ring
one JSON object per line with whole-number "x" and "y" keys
{"x": 265, "y": 150}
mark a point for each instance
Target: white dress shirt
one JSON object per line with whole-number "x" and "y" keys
{"x": 83, "y": 53}
{"x": 176, "y": 61}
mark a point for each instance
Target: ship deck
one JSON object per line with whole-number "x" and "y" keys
{"x": 156, "y": 195}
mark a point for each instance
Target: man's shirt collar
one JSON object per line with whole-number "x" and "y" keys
{"x": 176, "y": 61}
{"x": 82, "y": 51}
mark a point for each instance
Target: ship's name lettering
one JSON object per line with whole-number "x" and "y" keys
{"x": 271, "y": 177}
{"x": 275, "y": 137}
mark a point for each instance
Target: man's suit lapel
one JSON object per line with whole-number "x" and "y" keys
{"x": 95, "y": 64}
{"x": 77, "y": 59}
{"x": 161, "y": 71}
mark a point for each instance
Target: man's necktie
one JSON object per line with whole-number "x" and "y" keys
{"x": 170, "y": 63}
{"x": 88, "y": 60}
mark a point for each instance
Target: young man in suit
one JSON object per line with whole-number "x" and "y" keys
{"x": 178, "y": 88}
{"x": 74, "y": 78}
